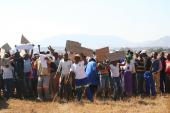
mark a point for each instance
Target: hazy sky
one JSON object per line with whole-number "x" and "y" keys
{"x": 134, "y": 20}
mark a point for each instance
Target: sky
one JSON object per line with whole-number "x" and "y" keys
{"x": 133, "y": 20}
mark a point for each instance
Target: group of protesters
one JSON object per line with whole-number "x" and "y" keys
{"x": 49, "y": 75}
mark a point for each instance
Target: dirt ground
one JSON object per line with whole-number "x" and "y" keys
{"x": 161, "y": 104}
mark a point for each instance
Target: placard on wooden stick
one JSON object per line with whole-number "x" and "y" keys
{"x": 6, "y": 47}
{"x": 24, "y": 40}
{"x": 116, "y": 55}
{"x": 73, "y": 46}
{"x": 102, "y": 54}
{"x": 86, "y": 51}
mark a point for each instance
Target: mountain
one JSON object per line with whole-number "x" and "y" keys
{"x": 86, "y": 41}
{"x": 161, "y": 42}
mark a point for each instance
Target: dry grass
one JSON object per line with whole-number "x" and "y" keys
{"x": 133, "y": 105}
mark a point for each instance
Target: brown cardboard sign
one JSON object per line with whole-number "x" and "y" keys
{"x": 24, "y": 40}
{"x": 86, "y": 51}
{"x": 73, "y": 46}
{"x": 102, "y": 54}
{"x": 116, "y": 55}
{"x": 6, "y": 47}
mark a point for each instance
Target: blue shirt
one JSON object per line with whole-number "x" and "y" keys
{"x": 92, "y": 73}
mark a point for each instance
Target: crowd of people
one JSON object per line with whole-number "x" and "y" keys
{"x": 138, "y": 74}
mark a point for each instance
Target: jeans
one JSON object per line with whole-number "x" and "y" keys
{"x": 8, "y": 84}
{"x": 80, "y": 84}
{"x": 43, "y": 87}
{"x": 150, "y": 86}
{"x": 116, "y": 87}
{"x": 104, "y": 84}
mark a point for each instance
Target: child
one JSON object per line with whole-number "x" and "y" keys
{"x": 149, "y": 83}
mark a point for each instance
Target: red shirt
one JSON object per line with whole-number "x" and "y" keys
{"x": 167, "y": 70}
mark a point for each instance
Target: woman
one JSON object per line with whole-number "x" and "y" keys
{"x": 128, "y": 77}
{"x": 167, "y": 70}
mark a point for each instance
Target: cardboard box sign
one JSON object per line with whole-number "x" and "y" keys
{"x": 86, "y": 51}
{"x": 116, "y": 55}
{"x": 6, "y": 47}
{"x": 102, "y": 54}
{"x": 24, "y": 40}
{"x": 73, "y": 46}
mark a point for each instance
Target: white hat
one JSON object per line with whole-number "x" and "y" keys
{"x": 143, "y": 51}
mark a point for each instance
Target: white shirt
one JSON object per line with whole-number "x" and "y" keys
{"x": 79, "y": 70}
{"x": 7, "y": 72}
{"x": 65, "y": 66}
{"x": 114, "y": 70}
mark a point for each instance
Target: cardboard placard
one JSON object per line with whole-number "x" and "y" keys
{"x": 102, "y": 54}
{"x": 6, "y": 47}
{"x": 116, "y": 55}
{"x": 73, "y": 46}
{"x": 86, "y": 51}
{"x": 24, "y": 46}
{"x": 24, "y": 40}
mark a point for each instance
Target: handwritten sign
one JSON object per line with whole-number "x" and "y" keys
{"x": 116, "y": 55}
{"x": 102, "y": 54}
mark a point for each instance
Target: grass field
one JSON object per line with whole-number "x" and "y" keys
{"x": 160, "y": 104}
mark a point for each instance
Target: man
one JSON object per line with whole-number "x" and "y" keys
{"x": 92, "y": 75}
{"x": 27, "y": 76}
{"x": 19, "y": 74}
{"x": 64, "y": 67}
{"x": 81, "y": 79}
{"x": 156, "y": 69}
{"x": 162, "y": 73}
{"x": 140, "y": 73}
{"x": 43, "y": 78}
{"x": 53, "y": 69}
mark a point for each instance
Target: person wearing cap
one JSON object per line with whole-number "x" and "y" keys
{"x": 81, "y": 78}
{"x": 156, "y": 69}
{"x": 140, "y": 69}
